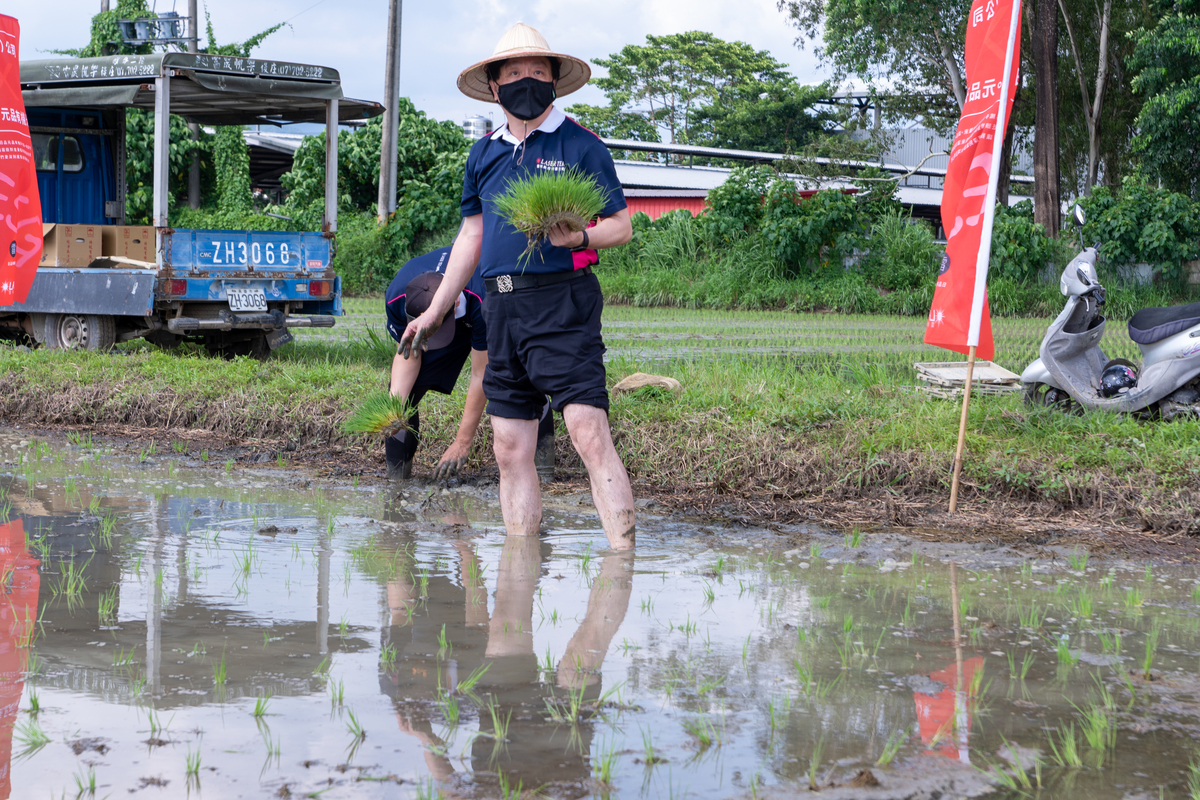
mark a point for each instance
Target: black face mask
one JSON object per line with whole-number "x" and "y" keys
{"x": 527, "y": 98}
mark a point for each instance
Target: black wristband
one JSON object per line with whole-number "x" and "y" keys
{"x": 583, "y": 246}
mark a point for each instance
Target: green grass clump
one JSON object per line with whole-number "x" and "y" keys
{"x": 381, "y": 412}
{"x": 536, "y": 204}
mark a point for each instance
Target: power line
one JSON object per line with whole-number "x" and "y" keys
{"x": 305, "y": 11}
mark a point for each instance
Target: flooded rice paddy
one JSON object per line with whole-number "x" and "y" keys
{"x": 175, "y": 626}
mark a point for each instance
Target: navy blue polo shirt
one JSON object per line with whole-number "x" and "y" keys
{"x": 558, "y": 144}
{"x": 440, "y": 368}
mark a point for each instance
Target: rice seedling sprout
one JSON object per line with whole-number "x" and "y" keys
{"x": 536, "y": 204}
{"x": 379, "y": 413}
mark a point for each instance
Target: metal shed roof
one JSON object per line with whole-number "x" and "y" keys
{"x": 208, "y": 89}
{"x": 755, "y": 156}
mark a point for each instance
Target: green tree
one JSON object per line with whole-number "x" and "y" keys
{"x": 105, "y": 39}
{"x": 139, "y": 164}
{"x": 1146, "y": 224}
{"x": 231, "y": 175}
{"x": 614, "y": 123}
{"x": 915, "y": 45}
{"x": 670, "y": 79}
{"x": 231, "y": 157}
{"x": 1166, "y": 63}
{"x": 780, "y": 120}
{"x": 1098, "y": 107}
{"x": 421, "y": 141}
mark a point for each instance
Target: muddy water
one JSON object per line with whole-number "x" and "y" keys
{"x": 179, "y": 628}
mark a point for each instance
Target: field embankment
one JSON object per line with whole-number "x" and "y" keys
{"x": 783, "y": 417}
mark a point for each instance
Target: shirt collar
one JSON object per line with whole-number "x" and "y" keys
{"x": 549, "y": 125}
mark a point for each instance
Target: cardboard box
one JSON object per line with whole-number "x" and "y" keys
{"x": 130, "y": 241}
{"x": 69, "y": 245}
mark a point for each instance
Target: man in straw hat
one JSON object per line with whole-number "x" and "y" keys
{"x": 543, "y": 319}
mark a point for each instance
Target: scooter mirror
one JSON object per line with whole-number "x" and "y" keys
{"x": 1080, "y": 217}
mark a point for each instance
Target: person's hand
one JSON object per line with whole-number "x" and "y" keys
{"x": 562, "y": 236}
{"x": 453, "y": 460}
{"x": 417, "y": 334}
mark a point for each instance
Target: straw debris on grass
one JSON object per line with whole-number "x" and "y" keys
{"x": 536, "y": 204}
{"x": 381, "y": 412}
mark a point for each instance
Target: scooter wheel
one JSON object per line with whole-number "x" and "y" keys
{"x": 1041, "y": 394}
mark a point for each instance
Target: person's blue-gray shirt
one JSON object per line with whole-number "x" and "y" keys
{"x": 557, "y": 145}
{"x": 440, "y": 368}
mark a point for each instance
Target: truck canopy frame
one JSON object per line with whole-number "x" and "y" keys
{"x": 202, "y": 88}
{"x": 209, "y": 90}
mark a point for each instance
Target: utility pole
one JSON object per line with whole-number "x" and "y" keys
{"x": 193, "y": 46}
{"x": 103, "y": 6}
{"x": 391, "y": 118}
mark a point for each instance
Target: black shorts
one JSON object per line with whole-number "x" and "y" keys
{"x": 544, "y": 341}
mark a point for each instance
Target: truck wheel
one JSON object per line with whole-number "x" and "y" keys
{"x": 81, "y": 331}
{"x": 164, "y": 339}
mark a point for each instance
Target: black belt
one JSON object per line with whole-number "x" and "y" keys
{"x": 510, "y": 283}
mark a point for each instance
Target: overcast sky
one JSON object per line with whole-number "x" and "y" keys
{"x": 440, "y": 37}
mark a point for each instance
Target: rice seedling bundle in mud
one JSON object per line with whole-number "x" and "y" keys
{"x": 535, "y": 204}
{"x": 381, "y": 412}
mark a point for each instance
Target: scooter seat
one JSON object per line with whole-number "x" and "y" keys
{"x": 1152, "y": 325}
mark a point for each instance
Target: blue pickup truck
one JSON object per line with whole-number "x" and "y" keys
{"x": 236, "y": 292}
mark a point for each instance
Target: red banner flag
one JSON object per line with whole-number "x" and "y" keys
{"x": 20, "y": 204}
{"x": 959, "y": 315}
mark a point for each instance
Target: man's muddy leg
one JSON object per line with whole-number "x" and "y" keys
{"x": 510, "y": 631}
{"x": 520, "y": 491}
{"x": 607, "y": 604}
{"x": 611, "y": 492}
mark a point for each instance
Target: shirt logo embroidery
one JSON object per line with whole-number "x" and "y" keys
{"x": 551, "y": 165}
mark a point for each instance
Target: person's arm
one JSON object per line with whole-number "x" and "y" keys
{"x": 404, "y": 374}
{"x": 455, "y": 457}
{"x": 464, "y": 258}
{"x": 612, "y": 231}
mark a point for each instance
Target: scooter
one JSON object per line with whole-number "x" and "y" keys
{"x": 1073, "y": 372}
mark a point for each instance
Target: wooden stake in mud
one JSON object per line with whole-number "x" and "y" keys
{"x": 962, "y": 429}
{"x": 962, "y": 721}
{"x": 955, "y": 612}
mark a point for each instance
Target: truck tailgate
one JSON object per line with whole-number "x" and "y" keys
{"x": 245, "y": 253}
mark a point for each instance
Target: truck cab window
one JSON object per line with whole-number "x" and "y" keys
{"x": 45, "y": 153}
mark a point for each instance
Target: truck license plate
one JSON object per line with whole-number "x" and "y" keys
{"x": 246, "y": 299}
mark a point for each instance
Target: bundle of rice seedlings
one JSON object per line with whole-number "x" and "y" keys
{"x": 535, "y": 204}
{"x": 381, "y": 412}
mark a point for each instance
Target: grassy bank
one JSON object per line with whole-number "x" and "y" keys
{"x": 785, "y": 416}
{"x": 679, "y": 262}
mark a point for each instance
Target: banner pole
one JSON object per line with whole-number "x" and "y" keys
{"x": 962, "y": 430}
{"x": 985, "y": 245}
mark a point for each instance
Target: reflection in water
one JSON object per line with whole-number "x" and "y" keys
{"x": 944, "y": 719}
{"x": 741, "y": 667}
{"x": 499, "y": 648}
{"x": 18, "y": 615}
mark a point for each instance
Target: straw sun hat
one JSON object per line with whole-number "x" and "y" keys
{"x": 521, "y": 41}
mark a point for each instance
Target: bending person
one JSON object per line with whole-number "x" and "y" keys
{"x": 459, "y": 332}
{"x": 543, "y": 317}
{"x": 437, "y": 368}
